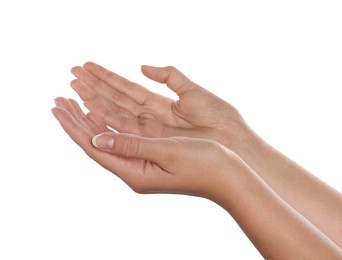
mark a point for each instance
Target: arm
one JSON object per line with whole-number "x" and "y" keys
{"x": 148, "y": 165}
{"x": 275, "y": 228}
{"x": 314, "y": 199}
{"x": 128, "y": 107}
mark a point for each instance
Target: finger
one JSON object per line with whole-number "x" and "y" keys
{"x": 136, "y": 92}
{"x": 66, "y": 104}
{"x": 84, "y": 76}
{"x": 98, "y": 121}
{"x": 73, "y": 128}
{"x": 173, "y": 78}
{"x": 106, "y": 104}
{"x": 87, "y": 94}
{"x": 103, "y": 108}
{"x": 120, "y": 120}
{"x": 83, "y": 117}
{"x": 76, "y": 111}
{"x": 82, "y": 89}
{"x": 100, "y": 88}
{"x": 159, "y": 150}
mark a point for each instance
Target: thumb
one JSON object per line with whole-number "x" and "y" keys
{"x": 132, "y": 146}
{"x": 173, "y": 78}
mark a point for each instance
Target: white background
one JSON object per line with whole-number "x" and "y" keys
{"x": 278, "y": 62}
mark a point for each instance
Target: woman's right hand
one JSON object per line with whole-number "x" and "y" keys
{"x": 151, "y": 165}
{"x": 201, "y": 168}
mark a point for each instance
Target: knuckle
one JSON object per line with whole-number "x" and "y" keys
{"x": 116, "y": 96}
{"x": 170, "y": 68}
{"x": 130, "y": 85}
{"x": 128, "y": 147}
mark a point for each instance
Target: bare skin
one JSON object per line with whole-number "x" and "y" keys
{"x": 148, "y": 165}
{"x": 130, "y": 108}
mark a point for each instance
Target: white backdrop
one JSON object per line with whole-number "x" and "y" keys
{"x": 278, "y": 62}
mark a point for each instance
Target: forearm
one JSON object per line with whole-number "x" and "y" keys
{"x": 276, "y": 230}
{"x": 315, "y": 200}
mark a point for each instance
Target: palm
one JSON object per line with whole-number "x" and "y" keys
{"x": 196, "y": 109}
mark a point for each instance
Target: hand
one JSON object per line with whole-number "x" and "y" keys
{"x": 130, "y": 108}
{"x": 201, "y": 168}
{"x": 150, "y": 165}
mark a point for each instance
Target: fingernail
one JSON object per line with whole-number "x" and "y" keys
{"x": 103, "y": 141}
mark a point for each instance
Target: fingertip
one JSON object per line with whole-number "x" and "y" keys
{"x": 75, "y": 69}
{"x": 73, "y": 83}
{"x": 144, "y": 69}
{"x": 152, "y": 72}
{"x": 54, "y": 111}
{"x": 59, "y": 101}
{"x": 88, "y": 64}
{"x": 58, "y": 112}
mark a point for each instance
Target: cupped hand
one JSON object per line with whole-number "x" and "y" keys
{"x": 149, "y": 165}
{"x": 130, "y": 108}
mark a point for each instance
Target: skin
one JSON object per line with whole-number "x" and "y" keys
{"x": 243, "y": 165}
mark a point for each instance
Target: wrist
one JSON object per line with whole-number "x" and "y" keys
{"x": 223, "y": 172}
{"x": 250, "y": 147}
{"x": 235, "y": 184}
